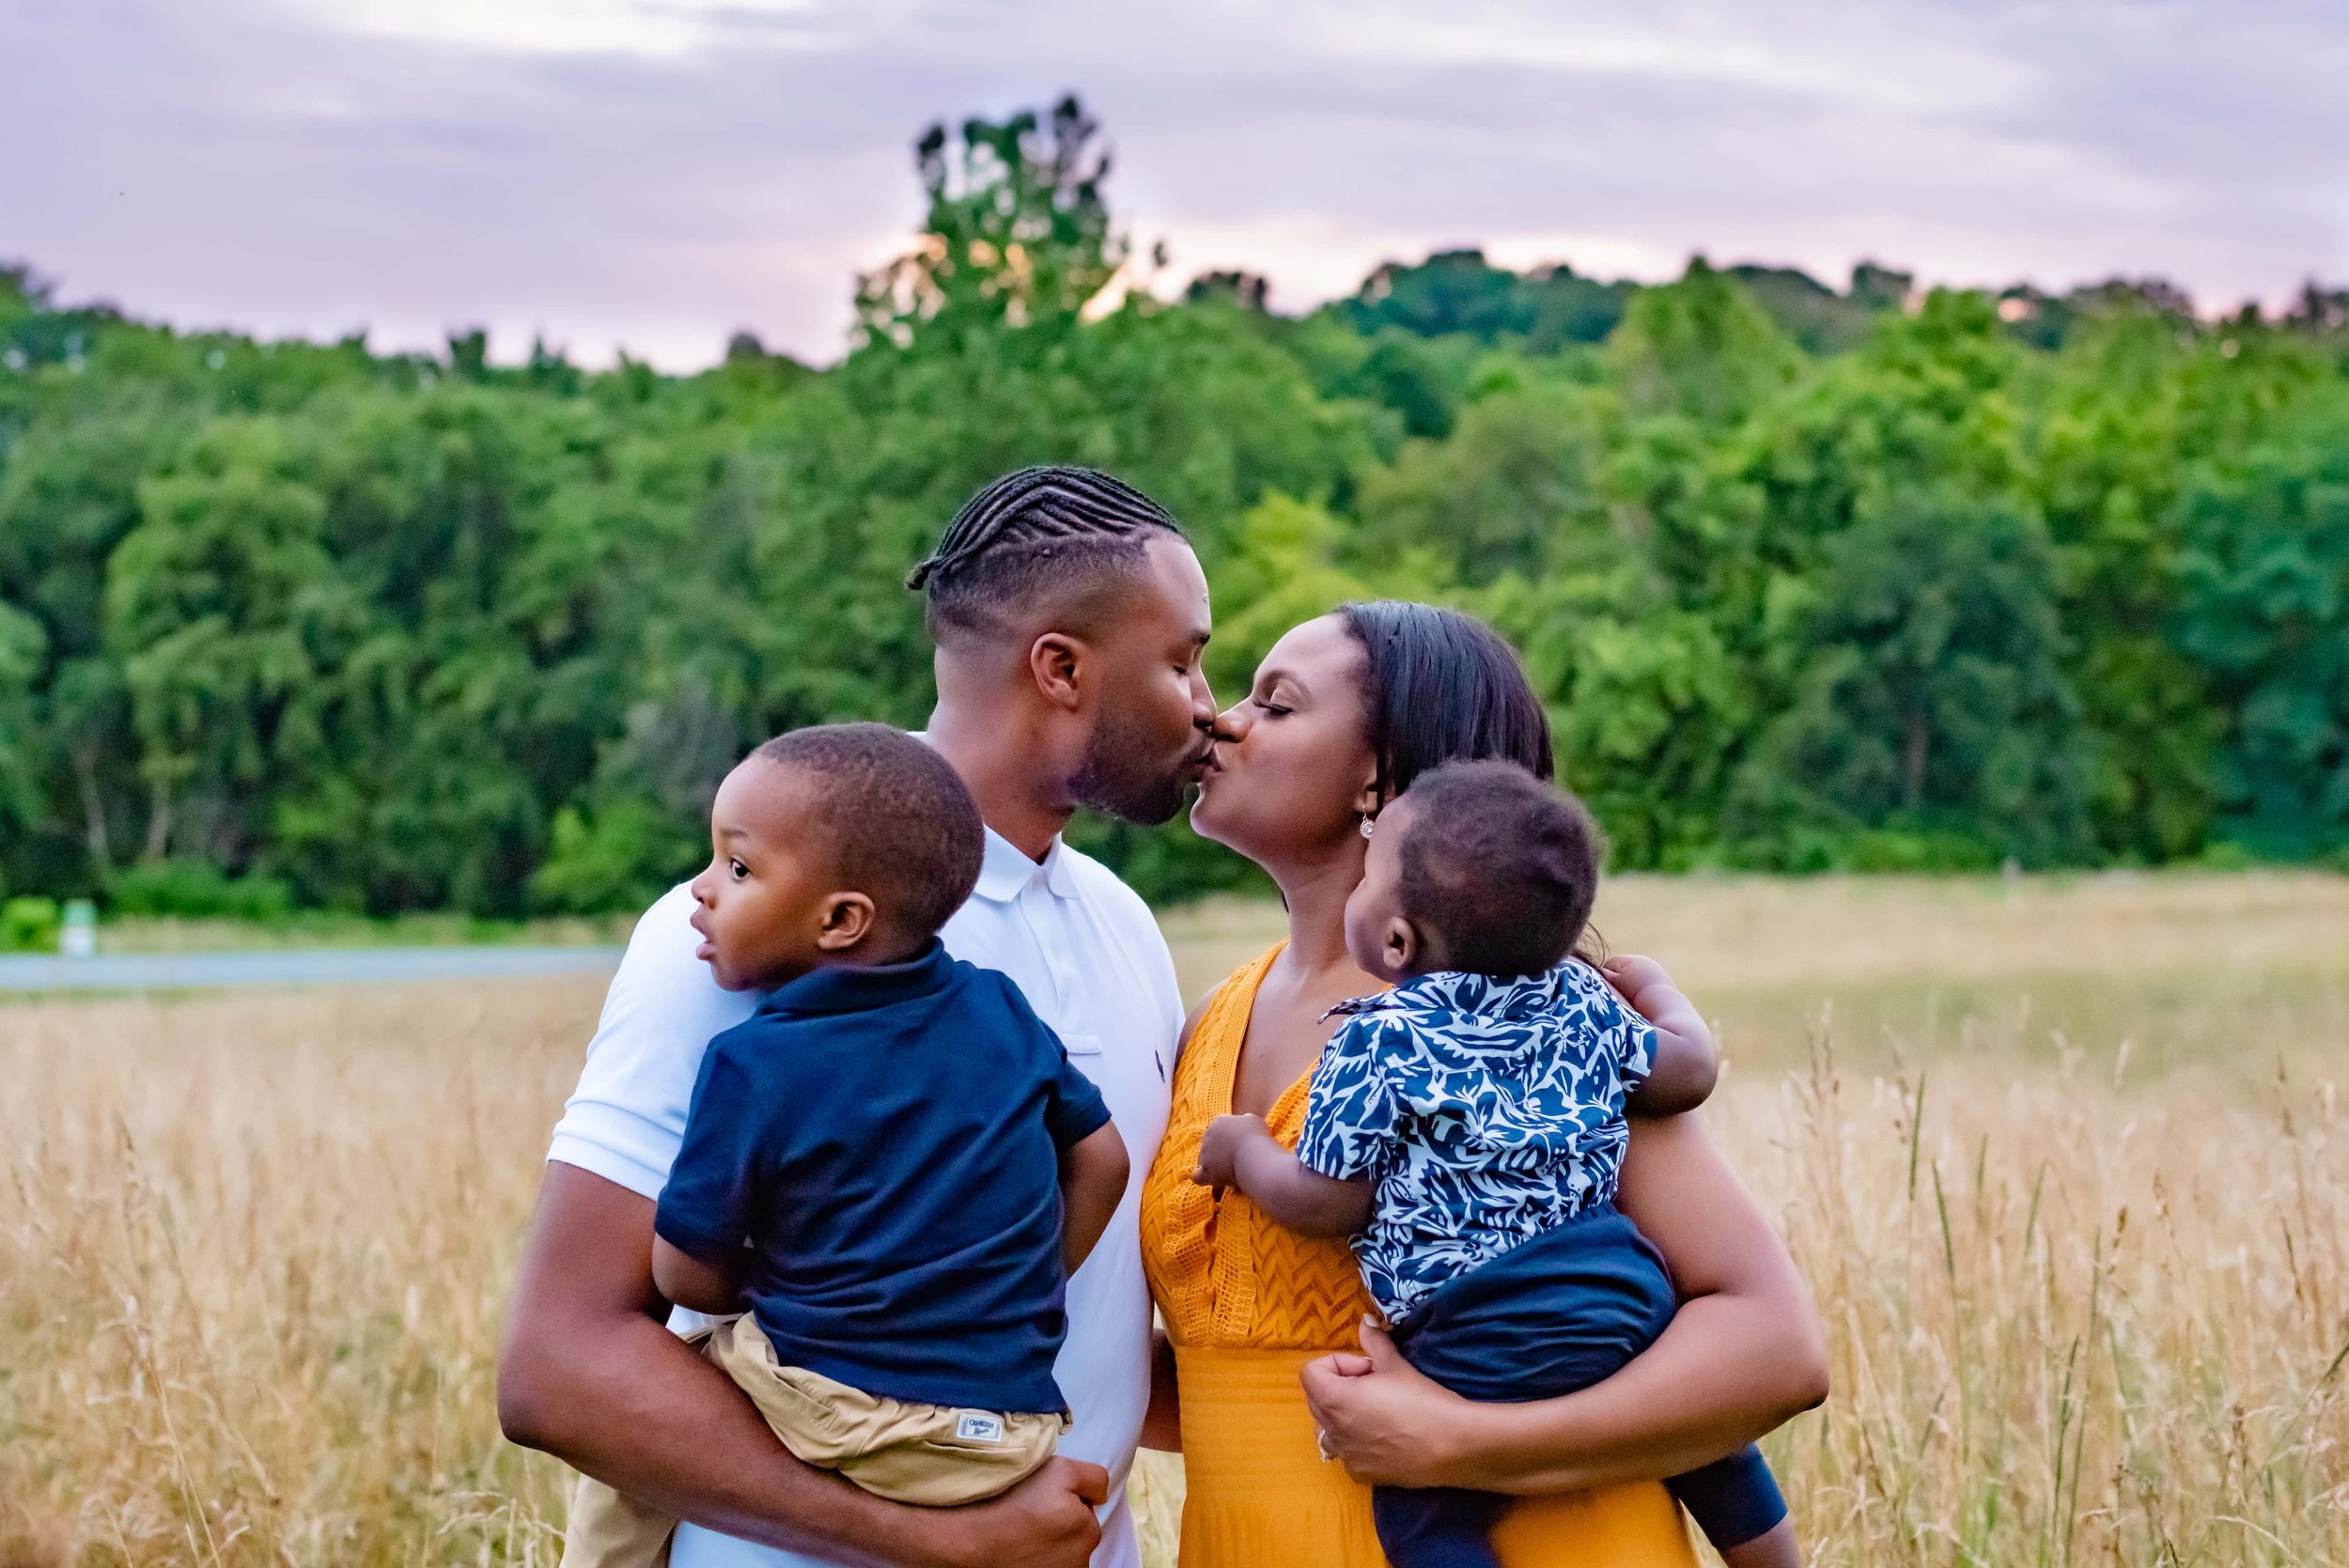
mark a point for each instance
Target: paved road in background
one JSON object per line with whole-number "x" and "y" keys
{"x": 126, "y": 971}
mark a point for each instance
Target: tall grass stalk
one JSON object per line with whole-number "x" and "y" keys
{"x": 2087, "y": 1301}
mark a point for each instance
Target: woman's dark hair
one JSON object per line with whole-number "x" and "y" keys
{"x": 1442, "y": 686}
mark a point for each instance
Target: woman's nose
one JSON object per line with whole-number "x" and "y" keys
{"x": 1231, "y": 725}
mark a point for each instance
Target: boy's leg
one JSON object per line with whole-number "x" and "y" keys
{"x": 917, "y": 1453}
{"x": 1436, "y": 1527}
{"x": 1737, "y": 1504}
{"x": 1775, "y": 1547}
{"x": 611, "y": 1529}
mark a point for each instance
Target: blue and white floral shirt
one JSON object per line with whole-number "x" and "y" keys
{"x": 1487, "y": 1110}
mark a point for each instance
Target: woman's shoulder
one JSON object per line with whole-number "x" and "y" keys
{"x": 1220, "y": 1020}
{"x": 1234, "y": 996}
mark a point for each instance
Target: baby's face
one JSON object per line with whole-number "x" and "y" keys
{"x": 769, "y": 908}
{"x": 1377, "y": 936}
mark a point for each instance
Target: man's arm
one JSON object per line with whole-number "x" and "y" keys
{"x": 1742, "y": 1357}
{"x": 1093, "y": 1175}
{"x": 587, "y": 1373}
{"x": 1240, "y": 1151}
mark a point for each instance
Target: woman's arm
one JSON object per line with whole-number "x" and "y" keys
{"x": 1163, "y": 1423}
{"x": 1742, "y": 1357}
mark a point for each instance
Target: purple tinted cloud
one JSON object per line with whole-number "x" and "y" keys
{"x": 653, "y": 173}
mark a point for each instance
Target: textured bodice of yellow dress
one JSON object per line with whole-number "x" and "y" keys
{"x": 1248, "y": 1303}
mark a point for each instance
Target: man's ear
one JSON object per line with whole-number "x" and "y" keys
{"x": 847, "y": 920}
{"x": 1057, "y": 662}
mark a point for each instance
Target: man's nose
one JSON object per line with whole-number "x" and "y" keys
{"x": 1202, "y": 701}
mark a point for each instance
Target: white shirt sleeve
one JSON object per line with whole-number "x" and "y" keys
{"x": 625, "y": 1120}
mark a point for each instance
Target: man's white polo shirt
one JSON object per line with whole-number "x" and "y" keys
{"x": 1085, "y": 952}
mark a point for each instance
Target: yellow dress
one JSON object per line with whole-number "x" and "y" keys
{"x": 1248, "y": 1303}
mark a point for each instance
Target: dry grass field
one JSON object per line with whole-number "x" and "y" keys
{"x": 2064, "y": 1163}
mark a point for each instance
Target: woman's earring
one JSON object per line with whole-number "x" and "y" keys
{"x": 1366, "y": 824}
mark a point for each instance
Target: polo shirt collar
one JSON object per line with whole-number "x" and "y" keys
{"x": 850, "y": 988}
{"x": 1006, "y": 871}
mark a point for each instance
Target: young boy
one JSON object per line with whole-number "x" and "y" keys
{"x": 1469, "y": 1124}
{"x": 893, "y": 1159}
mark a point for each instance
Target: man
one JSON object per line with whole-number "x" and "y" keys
{"x": 1069, "y": 616}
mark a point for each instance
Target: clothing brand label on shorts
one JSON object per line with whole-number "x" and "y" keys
{"x": 972, "y": 1427}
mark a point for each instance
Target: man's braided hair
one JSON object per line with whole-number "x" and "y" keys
{"x": 1070, "y": 530}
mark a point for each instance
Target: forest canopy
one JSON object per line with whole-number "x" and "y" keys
{"x": 1811, "y": 578}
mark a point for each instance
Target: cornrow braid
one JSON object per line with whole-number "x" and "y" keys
{"x": 1036, "y": 505}
{"x": 1069, "y": 534}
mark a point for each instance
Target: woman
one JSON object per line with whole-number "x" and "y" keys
{"x": 1345, "y": 712}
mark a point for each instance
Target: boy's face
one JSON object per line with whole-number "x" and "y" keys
{"x": 1377, "y": 936}
{"x": 769, "y": 911}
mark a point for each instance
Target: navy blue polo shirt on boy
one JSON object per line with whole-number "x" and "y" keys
{"x": 887, "y": 1143}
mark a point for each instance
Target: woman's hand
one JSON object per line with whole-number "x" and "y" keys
{"x": 1383, "y": 1418}
{"x": 1218, "y": 1150}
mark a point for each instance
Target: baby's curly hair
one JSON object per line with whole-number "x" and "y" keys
{"x": 1498, "y": 868}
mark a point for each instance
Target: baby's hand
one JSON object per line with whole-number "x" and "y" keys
{"x": 1685, "y": 1064}
{"x": 1219, "y": 1151}
{"x": 1635, "y": 975}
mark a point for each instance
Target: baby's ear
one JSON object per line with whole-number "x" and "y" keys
{"x": 1402, "y": 947}
{"x": 847, "y": 920}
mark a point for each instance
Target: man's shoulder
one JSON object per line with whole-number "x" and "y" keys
{"x": 662, "y": 997}
{"x": 623, "y": 1119}
{"x": 665, "y": 924}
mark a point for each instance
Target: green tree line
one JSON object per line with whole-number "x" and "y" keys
{"x": 1869, "y": 578}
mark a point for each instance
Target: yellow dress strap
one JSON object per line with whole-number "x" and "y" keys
{"x": 1223, "y": 1274}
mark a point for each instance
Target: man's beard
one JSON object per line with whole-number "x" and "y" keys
{"x": 1118, "y": 776}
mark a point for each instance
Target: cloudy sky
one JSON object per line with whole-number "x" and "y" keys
{"x": 653, "y": 173}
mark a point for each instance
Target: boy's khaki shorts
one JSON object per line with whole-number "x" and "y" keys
{"x": 927, "y": 1454}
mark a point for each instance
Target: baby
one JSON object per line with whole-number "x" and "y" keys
{"x": 1468, "y": 1127}
{"x": 893, "y": 1162}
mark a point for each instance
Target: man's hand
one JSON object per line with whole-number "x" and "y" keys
{"x": 1047, "y": 1521}
{"x": 1386, "y": 1421}
{"x": 1218, "y": 1150}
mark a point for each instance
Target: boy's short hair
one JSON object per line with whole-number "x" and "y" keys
{"x": 899, "y": 823}
{"x": 1499, "y": 868}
